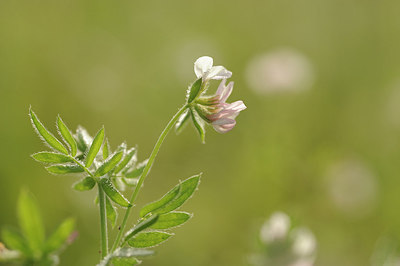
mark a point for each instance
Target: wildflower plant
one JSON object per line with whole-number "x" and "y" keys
{"x": 118, "y": 173}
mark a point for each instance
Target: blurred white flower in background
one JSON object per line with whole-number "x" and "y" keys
{"x": 283, "y": 245}
{"x": 276, "y": 228}
{"x": 282, "y": 70}
{"x": 352, "y": 187}
{"x": 304, "y": 243}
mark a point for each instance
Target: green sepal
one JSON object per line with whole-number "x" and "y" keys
{"x": 194, "y": 90}
{"x": 141, "y": 226}
{"x": 84, "y": 184}
{"x": 182, "y": 121}
{"x": 113, "y": 193}
{"x": 199, "y": 125}
{"x": 109, "y": 164}
{"x": 171, "y": 220}
{"x": 148, "y": 239}
{"x": 95, "y": 147}
{"x": 45, "y": 135}
{"x": 51, "y": 157}
{"x": 64, "y": 169}
{"x": 67, "y": 135}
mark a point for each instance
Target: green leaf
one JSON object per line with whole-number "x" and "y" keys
{"x": 194, "y": 90}
{"x": 67, "y": 135}
{"x": 126, "y": 252}
{"x": 14, "y": 240}
{"x": 109, "y": 164}
{"x": 182, "y": 121}
{"x": 130, "y": 181}
{"x": 199, "y": 125}
{"x": 138, "y": 170}
{"x": 114, "y": 194}
{"x": 30, "y": 221}
{"x": 51, "y": 157}
{"x": 174, "y": 198}
{"x": 119, "y": 183}
{"x": 117, "y": 261}
{"x": 111, "y": 212}
{"x": 106, "y": 149}
{"x": 127, "y": 158}
{"x": 170, "y": 220}
{"x": 187, "y": 188}
{"x": 64, "y": 169}
{"x": 59, "y": 238}
{"x": 148, "y": 239}
{"x": 95, "y": 147}
{"x": 84, "y": 184}
{"x": 83, "y": 139}
{"x": 141, "y": 226}
{"x": 161, "y": 202}
{"x": 46, "y": 136}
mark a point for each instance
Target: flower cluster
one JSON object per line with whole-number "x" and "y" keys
{"x": 213, "y": 109}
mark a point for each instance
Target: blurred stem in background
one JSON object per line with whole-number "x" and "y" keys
{"x": 146, "y": 170}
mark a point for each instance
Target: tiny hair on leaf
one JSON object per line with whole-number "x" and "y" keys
{"x": 45, "y": 135}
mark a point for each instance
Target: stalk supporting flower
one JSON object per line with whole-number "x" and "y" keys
{"x": 146, "y": 170}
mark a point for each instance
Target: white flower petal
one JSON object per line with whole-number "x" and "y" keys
{"x": 237, "y": 106}
{"x": 202, "y": 65}
{"x": 227, "y": 92}
{"x": 224, "y": 128}
{"x": 224, "y": 121}
{"x": 218, "y": 72}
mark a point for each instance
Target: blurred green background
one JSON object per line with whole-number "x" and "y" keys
{"x": 327, "y": 155}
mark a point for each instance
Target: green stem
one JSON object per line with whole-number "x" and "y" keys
{"x": 103, "y": 222}
{"x": 103, "y": 214}
{"x": 81, "y": 165}
{"x": 146, "y": 170}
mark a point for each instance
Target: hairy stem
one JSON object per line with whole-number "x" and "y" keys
{"x": 103, "y": 214}
{"x": 103, "y": 222}
{"x": 146, "y": 170}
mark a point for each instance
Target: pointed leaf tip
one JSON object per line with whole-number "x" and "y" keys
{"x": 109, "y": 164}
{"x": 95, "y": 147}
{"x": 45, "y": 135}
{"x": 67, "y": 135}
{"x": 113, "y": 193}
{"x": 148, "y": 239}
